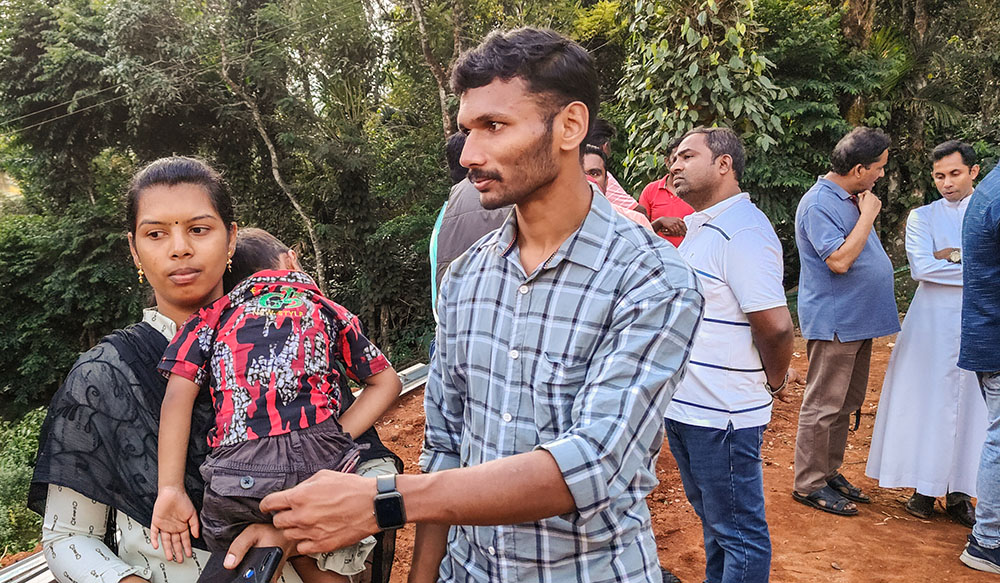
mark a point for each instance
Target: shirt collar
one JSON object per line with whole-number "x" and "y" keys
{"x": 836, "y": 188}
{"x": 588, "y": 246}
{"x": 719, "y": 207}
{"x": 161, "y": 323}
{"x": 957, "y": 205}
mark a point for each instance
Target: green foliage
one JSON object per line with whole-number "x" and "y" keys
{"x": 19, "y": 527}
{"x": 694, "y": 66}
{"x": 66, "y": 281}
{"x": 90, "y": 90}
{"x": 822, "y": 77}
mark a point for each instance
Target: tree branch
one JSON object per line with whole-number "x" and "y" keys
{"x": 276, "y": 168}
{"x": 436, "y": 70}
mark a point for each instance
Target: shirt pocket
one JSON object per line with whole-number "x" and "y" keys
{"x": 559, "y": 381}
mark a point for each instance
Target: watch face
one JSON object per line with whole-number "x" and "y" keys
{"x": 389, "y": 510}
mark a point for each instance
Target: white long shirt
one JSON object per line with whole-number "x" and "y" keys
{"x": 931, "y": 420}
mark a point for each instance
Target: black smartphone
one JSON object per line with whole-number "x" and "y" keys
{"x": 258, "y": 566}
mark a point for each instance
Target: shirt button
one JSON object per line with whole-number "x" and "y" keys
{"x": 523, "y": 289}
{"x": 246, "y": 482}
{"x": 492, "y": 551}
{"x": 506, "y": 417}
{"x": 514, "y": 354}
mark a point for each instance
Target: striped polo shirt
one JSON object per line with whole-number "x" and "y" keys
{"x": 737, "y": 256}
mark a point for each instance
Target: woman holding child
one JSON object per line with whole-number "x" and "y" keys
{"x": 96, "y": 476}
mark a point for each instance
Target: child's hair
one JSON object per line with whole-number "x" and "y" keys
{"x": 256, "y": 250}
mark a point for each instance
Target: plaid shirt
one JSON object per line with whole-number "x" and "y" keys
{"x": 580, "y": 358}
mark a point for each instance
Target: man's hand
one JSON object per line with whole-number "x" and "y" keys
{"x": 868, "y": 203}
{"x": 330, "y": 510}
{"x": 794, "y": 377}
{"x": 944, "y": 253}
{"x": 173, "y": 514}
{"x": 259, "y": 535}
{"x": 670, "y": 226}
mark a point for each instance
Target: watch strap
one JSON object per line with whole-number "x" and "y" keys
{"x": 385, "y": 483}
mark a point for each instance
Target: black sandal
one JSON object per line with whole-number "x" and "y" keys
{"x": 828, "y": 500}
{"x": 848, "y": 490}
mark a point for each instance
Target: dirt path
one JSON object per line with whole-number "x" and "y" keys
{"x": 883, "y": 544}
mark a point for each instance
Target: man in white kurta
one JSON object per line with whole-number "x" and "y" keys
{"x": 931, "y": 421}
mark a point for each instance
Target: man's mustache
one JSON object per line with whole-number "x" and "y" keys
{"x": 477, "y": 175}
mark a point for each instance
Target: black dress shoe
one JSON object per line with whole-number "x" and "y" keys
{"x": 669, "y": 577}
{"x": 920, "y": 506}
{"x": 962, "y": 512}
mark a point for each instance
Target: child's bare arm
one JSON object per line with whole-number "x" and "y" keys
{"x": 173, "y": 513}
{"x": 381, "y": 391}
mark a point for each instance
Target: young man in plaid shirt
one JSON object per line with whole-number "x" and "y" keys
{"x": 562, "y": 336}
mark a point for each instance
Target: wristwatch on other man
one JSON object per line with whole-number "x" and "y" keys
{"x": 389, "y": 511}
{"x": 955, "y": 256}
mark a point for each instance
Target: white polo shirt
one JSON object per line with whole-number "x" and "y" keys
{"x": 733, "y": 248}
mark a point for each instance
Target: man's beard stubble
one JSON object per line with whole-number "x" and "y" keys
{"x": 535, "y": 169}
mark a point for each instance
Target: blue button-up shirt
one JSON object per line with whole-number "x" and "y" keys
{"x": 856, "y": 305}
{"x": 580, "y": 358}
{"x": 980, "y": 349}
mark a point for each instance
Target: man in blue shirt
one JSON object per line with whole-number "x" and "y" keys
{"x": 980, "y": 352}
{"x": 845, "y": 300}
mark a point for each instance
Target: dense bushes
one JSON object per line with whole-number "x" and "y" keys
{"x": 20, "y": 528}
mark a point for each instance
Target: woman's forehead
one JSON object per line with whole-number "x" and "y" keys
{"x": 175, "y": 203}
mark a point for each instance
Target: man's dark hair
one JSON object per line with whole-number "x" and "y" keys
{"x": 453, "y": 151}
{"x": 969, "y": 157}
{"x": 860, "y": 146}
{"x": 592, "y": 149}
{"x": 552, "y": 66}
{"x": 722, "y": 141}
{"x": 601, "y": 132}
{"x": 256, "y": 250}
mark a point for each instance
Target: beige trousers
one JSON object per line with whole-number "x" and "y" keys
{"x": 835, "y": 387}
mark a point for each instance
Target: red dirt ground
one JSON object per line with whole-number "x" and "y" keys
{"x": 882, "y": 544}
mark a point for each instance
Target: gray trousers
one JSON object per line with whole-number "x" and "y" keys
{"x": 835, "y": 387}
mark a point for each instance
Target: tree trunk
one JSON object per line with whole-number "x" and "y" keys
{"x": 858, "y": 22}
{"x": 857, "y": 27}
{"x": 921, "y": 20}
{"x": 276, "y": 169}
{"x": 436, "y": 70}
{"x": 457, "y": 19}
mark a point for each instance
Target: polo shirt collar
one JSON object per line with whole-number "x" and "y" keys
{"x": 720, "y": 207}
{"x": 836, "y": 188}
{"x": 587, "y": 247}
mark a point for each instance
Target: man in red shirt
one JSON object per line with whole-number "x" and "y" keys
{"x": 666, "y": 209}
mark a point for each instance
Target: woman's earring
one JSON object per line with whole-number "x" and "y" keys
{"x": 229, "y": 265}
{"x": 140, "y": 273}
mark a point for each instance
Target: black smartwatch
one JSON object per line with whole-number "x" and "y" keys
{"x": 389, "y": 511}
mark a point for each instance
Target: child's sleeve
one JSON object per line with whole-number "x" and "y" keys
{"x": 360, "y": 356}
{"x": 187, "y": 354}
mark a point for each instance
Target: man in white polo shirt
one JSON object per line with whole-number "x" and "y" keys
{"x": 716, "y": 420}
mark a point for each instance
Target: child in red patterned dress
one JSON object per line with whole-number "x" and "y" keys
{"x": 266, "y": 352}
